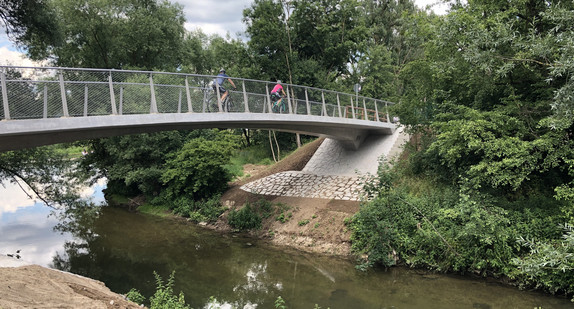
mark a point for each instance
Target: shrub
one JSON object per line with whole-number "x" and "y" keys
{"x": 251, "y": 215}
{"x": 244, "y": 219}
{"x": 164, "y": 297}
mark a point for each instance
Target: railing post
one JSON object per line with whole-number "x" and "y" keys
{"x": 179, "y": 102}
{"x": 86, "y": 100}
{"x": 307, "y": 102}
{"x": 188, "y": 96}
{"x": 64, "y": 98}
{"x": 376, "y": 112}
{"x": 218, "y": 96}
{"x": 339, "y": 106}
{"x": 45, "y": 102}
{"x": 245, "y": 97}
{"x": 387, "y": 109}
{"x": 365, "y": 109}
{"x": 121, "y": 107}
{"x": 324, "y": 113}
{"x": 352, "y": 108}
{"x": 268, "y": 98}
{"x": 112, "y": 95}
{"x": 289, "y": 101}
{"x": 5, "y": 97}
{"x": 153, "y": 107}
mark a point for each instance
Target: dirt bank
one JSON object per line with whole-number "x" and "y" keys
{"x": 312, "y": 225}
{"x": 34, "y": 286}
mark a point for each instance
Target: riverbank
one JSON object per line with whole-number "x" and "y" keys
{"x": 313, "y": 225}
{"x": 32, "y": 286}
{"x": 309, "y": 224}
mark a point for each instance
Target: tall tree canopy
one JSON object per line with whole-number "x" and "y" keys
{"x": 315, "y": 39}
{"x": 31, "y": 24}
{"x": 496, "y": 89}
{"x": 145, "y": 34}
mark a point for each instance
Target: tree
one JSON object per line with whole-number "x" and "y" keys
{"x": 133, "y": 164}
{"x": 31, "y": 24}
{"x": 498, "y": 77}
{"x": 119, "y": 34}
{"x": 197, "y": 170}
{"x": 324, "y": 35}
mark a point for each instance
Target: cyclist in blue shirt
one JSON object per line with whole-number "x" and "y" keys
{"x": 219, "y": 81}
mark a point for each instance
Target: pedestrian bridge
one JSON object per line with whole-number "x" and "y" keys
{"x": 48, "y": 105}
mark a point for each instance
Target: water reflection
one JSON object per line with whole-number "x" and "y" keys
{"x": 123, "y": 250}
{"x": 27, "y": 225}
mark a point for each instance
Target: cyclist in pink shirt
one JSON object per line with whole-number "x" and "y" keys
{"x": 277, "y": 89}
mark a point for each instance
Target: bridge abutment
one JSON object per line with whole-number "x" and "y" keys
{"x": 334, "y": 171}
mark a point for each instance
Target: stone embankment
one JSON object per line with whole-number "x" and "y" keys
{"x": 333, "y": 172}
{"x": 301, "y": 184}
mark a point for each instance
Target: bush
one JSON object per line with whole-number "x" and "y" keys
{"x": 199, "y": 211}
{"x": 251, "y": 215}
{"x": 549, "y": 264}
{"x": 198, "y": 169}
{"x": 244, "y": 219}
{"x": 164, "y": 297}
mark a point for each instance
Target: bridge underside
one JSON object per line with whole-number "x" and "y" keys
{"x": 19, "y": 134}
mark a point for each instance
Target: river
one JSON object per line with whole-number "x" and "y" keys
{"x": 124, "y": 249}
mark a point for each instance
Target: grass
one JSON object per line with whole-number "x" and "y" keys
{"x": 162, "y": 211}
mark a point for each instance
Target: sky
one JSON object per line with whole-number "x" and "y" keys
{"x": 212, "y": 17}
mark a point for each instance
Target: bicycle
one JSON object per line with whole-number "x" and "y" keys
{"x": 279, "y": 106}
{"x": 226, "y": 104}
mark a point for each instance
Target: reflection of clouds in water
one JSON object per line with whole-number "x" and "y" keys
{"x": 95, "y": 191}
{"x": 30, "y": 230}
{"x": 13, "y": 198}
{"x": 215, "y": 304}
{"x": 26, "y": 225}
{"x": 258, "y": 281}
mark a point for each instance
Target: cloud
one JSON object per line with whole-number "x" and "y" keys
{"x": 215, "y": 17}
{"x": 13, "y": 198}
{"x": 437, "y": 6}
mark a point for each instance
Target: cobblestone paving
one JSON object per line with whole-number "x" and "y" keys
{"x": 300, "y": 184}
{"x": 333, "y": 172}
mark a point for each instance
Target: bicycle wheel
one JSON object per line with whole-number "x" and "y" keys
{"x": 230, "y": 107}
{"x": 212, "y": 106}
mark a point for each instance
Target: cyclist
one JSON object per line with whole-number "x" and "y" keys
{"x": 219, "y": 81}
{"x": 276, "y": 93}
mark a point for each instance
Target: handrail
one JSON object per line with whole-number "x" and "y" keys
{"x": 49, "y": 92}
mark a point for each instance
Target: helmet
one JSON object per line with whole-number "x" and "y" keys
{"x": 279, "y": 81}
{"x": 222, "y": 71}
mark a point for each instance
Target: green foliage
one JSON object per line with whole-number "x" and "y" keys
{"x": 198, "y": 211}
{"x": 251, "y": 215}
{"x": 30, "y": 23}
{"x": 549, "y": 264}
{"x": 164, "y": 297}
{"x": 197, "y": 170}
{"x": 244, "y": 219}
{"x": 133, "y": 164}
{"x": 135, "y": 296}
{"x": 282, "y": 217}
{"x": 118, "y": 34}
{"x": 303, "y": 222}
{"x": 280, "y": 303}
{"x": 45, "y": 171}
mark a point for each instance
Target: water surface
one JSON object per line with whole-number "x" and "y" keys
{"x": 124, "y": 249}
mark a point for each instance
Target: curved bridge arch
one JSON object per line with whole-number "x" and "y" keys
{"x": 43, "y": 106}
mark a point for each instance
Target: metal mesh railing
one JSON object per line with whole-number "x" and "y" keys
{"x": 35, "y": 93}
